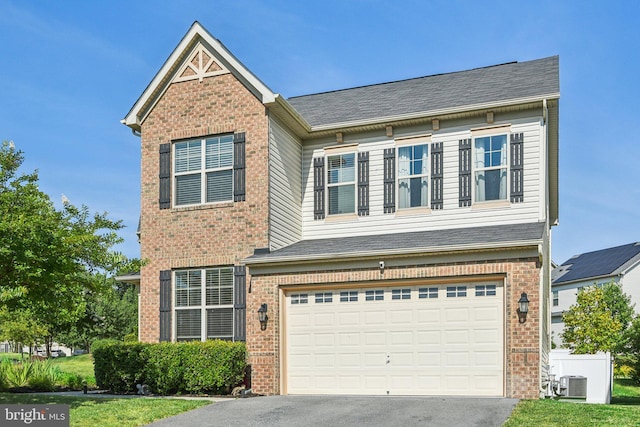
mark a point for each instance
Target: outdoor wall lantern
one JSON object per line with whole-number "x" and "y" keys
{"x": 523, "y": 307}
{"x": 262, "y": 316}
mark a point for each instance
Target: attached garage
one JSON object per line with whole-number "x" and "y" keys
{"x": 425, "y": 339}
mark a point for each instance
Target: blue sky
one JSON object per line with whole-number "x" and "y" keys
{"x": 70, "y": 70}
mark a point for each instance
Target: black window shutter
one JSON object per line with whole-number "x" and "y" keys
{"x": 517, "y": 163}
{"x": 239, "y": 167}
{"x": 318, "y": 188}
{"x": 465, "y": 172}
{"x": 239, "y": 303}
{"x": 363, "y": 183}
{"x": 436, "y": 175}
{"x": 389, "y": 180}
{"x": 165, "y": 176}
{"x": 165, "y": 305}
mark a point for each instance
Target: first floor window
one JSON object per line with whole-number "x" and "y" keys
{"x": 490, "y": 166}
{"x": 204, "y": 304}
{"x": 203, "y": 170}
{"x": 413, "y": 176}
{"x": 341, "y": 183}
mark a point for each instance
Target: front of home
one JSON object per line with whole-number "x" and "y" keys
{"x": 389, "y": 231}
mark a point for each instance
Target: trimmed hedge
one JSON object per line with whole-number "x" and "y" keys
{"x": 170, "y": 368}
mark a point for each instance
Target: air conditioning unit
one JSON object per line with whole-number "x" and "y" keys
{"x": 574, "y": 386}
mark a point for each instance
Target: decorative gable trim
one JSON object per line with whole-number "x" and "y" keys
{"x": 161, "y": 81}
{"x": 201, "y": 64}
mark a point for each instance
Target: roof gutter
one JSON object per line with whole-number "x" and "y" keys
{"x": 392, "y": 253}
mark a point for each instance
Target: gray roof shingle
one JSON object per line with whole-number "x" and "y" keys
{"x": 605, "y": 262}
{"x": 514, "y": 80}
{"x": 412, "y": 242}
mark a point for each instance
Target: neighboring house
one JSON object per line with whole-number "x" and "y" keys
{"x": 620, "y": 264}
{"x": 389, "y": 231}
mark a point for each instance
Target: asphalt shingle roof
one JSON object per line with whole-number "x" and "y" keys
{"x": 405, "y": 242}
{"x": 514, "y": 80}
{"x": 596, "y": 264}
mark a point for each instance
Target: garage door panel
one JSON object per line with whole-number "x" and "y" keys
{"x": 428, "y": 316}
{"x": 457, "y": 337}
{"x": 457, "y": 315}
{"x": 427, "y": 337}
{"x": 429, "y": 345}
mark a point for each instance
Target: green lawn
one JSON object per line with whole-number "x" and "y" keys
{"x": 81, "y": 365}
{"x": 623, "y": 411}
{"x": 106, "y": 412}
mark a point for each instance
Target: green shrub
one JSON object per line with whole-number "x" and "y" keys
{"x": 5, "y": 365}
{"x": 164, "y": 372}
{"x": 131, "y": 338}
{"x": 214, "y": 366}
{"x": 71, "y": 381}
{"x": 119, "y": 366}
{"x": 170, "y": 368}
{"x": 44, "y": 376}
{"x": 19, "y": 374}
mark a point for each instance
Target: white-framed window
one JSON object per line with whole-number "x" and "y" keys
{"x": 413, "y": 176}
{"x": 348, "y": 296}
{"x": 324, "y": 297}
{"x": 456, "y": 291}
{"x": 341, "y": 183}
{"x": 203, "y": 304}
{"x": 428, "y": 293}
{"x": 490, "y": 163}
{"x": 401, "y": 293}
{"x": 556, "y": 300}
{"x": 374, "y": 295}
{"x": 299, "y": 298}
{"x": 203, "y": 170}
{"x": 485, "y": 290}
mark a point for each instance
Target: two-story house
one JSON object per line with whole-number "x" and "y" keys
{"x": 394, "y": 238}
{"x": 619, "y": 264}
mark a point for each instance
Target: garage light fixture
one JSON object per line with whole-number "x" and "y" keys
{"x": 262, "y": 316}
{"x": 523, "y": 307}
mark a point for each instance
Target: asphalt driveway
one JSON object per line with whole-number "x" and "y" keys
{"x": 347, "y": 411}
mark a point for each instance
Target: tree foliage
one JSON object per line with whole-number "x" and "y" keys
{"x": 51, "y": 258}
{"x": 598, "y": 320}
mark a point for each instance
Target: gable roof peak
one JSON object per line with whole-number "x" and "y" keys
{"x": 225, "y": 62}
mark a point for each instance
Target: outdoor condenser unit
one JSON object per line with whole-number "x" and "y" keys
{"x": 574, "y": 386}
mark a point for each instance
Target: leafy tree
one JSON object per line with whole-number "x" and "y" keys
{"x": 21, "y": 328}
{"x": 598, "y": 320}
{"x": 50, "y": 258}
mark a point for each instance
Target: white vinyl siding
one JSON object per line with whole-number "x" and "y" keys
{"x": 532, "y": 209}
{"x": 285, "y": 186}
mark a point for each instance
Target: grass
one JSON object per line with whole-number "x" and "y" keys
{"x": 106, "y": 412}
{"x": 623, "y": 411}
{"x": 81, "y": 365}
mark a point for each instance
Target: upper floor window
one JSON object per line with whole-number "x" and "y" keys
{"x": 555, "y": 298}
{"x": 203, "y": 170}
{"x": 341, "y": 183}
{"x": 413, "y": 176}
{"x": 490, "y": 167}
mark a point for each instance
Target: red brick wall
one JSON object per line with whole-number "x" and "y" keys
{"x": 208, "y": 235}
{"x": 522, "y": 370}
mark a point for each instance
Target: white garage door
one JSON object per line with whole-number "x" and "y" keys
{"x": 418, "y": 340}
